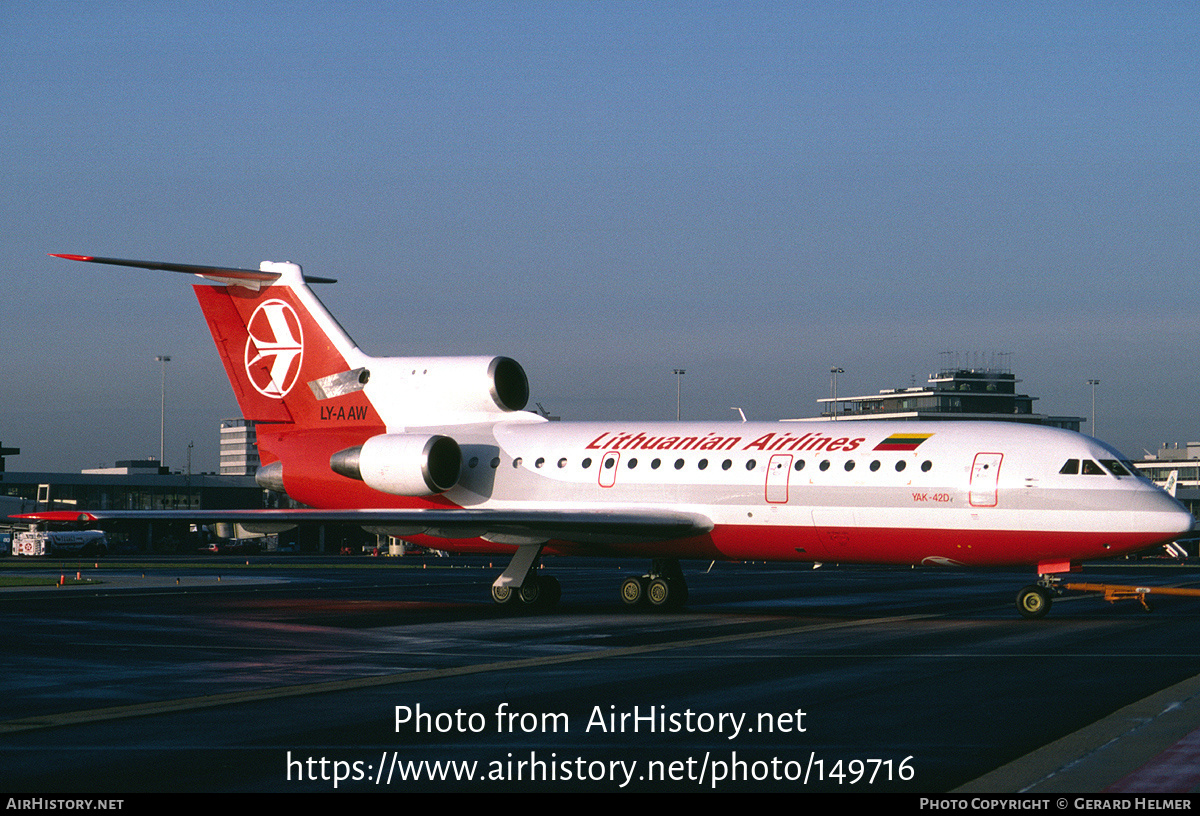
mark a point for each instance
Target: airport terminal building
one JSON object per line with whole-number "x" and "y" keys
{"x": 143, "y": 485}
{"x": 951, "y": 394}
{"x": 139, "y": 484}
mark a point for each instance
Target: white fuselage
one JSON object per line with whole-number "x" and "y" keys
{"x": 967, "y": 493}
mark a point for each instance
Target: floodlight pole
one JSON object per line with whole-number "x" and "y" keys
{"x": 162, "y": 407}
{"x": 1093, "y": 384}
{"x": 678, "y": 372}
{"x": 833, "y": 372}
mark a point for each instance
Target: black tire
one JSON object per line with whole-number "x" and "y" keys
{"x": 1033, "y": 602}
{"x": 632, "y": 591}
{"x": 660, "y": 593}
{"x": 531, "y": 591}
{"x": 502, "y": 594}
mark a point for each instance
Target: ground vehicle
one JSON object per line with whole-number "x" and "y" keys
{"x": 88, "y": 543}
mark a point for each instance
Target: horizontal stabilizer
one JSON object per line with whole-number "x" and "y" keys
{"x": 218, "y": 273}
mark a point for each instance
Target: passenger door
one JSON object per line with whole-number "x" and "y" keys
{"x": 985, "y": 479}
{"x": 779, "y": 470}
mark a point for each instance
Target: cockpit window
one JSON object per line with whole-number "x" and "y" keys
{"x": 1114, "y": 467}
{"x": 1089, "y": 468}
{"x": 1133, "y": 470}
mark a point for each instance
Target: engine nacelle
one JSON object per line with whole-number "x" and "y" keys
{"x": 416, "y": 391}
{"x": 270, "y": 477}
{"x": 402, "y": 464}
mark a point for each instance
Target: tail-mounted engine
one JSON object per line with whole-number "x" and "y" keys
{"x": 402, "y": 464}
{"x": 422, "y": 391}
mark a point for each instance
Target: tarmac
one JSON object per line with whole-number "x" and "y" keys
{"x": 1151, "y": 746}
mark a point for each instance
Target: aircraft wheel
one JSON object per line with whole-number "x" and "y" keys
{"x": 502, "y": 594}
{"x": 659, "y": 593}
{"x": 632, "y": 591}
{"x": 531, "y": 591}
{"x": 1033, "y": 602}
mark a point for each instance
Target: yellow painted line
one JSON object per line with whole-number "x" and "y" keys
{"x": 96, "y": 715}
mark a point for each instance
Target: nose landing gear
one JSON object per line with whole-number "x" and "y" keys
{"x": 1034, "y": 601}
{"x": 663, "y": 587}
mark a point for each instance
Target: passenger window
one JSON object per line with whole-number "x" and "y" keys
{"x": 1090, "y": 468}
{"x": 587, "y": 463}
{"x": 727, "y": 464}
{"x": 517, "y": 462}
{"x": 495, "y": 462}
{"x": 473, "y": 462}
{"x": 849, "y": 465}
{"x": 654, "y": 465}
{"x": 632, "y": 464}
{"x": 679, "y": 464}
{"x": 799, "y": 464}
{"x": 750, "y": 464}
{"x": 702, "y": 464}
{"x": 900, "y": 465}
{"x": 926, "y": 465}
{"x": 874, "y": 465}
{"x": 541, "y": 460}
{"x": 562, "y": 462}
{"x": 824, "y": 464}
{"x": 1071, "y": 468}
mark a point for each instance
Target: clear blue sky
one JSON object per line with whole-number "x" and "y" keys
{"x": 605, "y": 191}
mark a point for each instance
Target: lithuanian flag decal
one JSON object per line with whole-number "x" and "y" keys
{"x": 902, "y": 442}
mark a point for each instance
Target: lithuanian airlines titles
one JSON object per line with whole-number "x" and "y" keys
{"x": 440, "y": 451}
{"x": 712, "y": 441}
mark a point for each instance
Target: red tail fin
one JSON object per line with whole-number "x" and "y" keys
{"x": 285, "y": 357}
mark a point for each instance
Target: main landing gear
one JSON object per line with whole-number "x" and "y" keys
{"x": 535, "y": 592}
{"x": 663, "y": 587}
{"x": 521, "y": 586}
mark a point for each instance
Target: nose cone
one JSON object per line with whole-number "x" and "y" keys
{"x": 1175, "y": 518}
{"x": 1185, "y": 521}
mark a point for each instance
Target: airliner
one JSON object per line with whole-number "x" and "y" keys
{"x": 440, "y": 451}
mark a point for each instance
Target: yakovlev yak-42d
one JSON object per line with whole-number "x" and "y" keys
{"x": 439, "y": 450}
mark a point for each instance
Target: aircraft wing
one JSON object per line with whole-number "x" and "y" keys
{"x": 501, "y": 526}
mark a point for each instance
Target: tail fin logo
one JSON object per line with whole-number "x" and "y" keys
{"x": 274, "y": 348}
